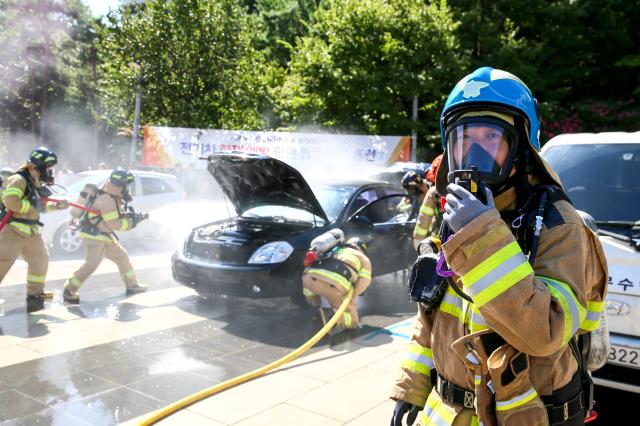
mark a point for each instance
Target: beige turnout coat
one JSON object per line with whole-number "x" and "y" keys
{"x": 536, "y": 310}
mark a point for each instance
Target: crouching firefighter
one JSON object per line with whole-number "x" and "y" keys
{"x": 23, "y": 199}
{"x": 519, "y": 280}
{"x": 333, "y": 266}
{"x": 97, "y": 232}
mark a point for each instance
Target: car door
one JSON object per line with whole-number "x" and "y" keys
{"x": 155, "y": 191}
{"x": 374, "y": 216}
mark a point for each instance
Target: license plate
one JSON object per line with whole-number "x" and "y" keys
{"x": 622, "y": 355}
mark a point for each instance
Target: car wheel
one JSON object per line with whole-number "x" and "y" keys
{"x": 65, "y": 241}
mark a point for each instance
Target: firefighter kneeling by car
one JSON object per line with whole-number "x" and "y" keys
{"x": 519, "y": 282}
{"x": 97, "y": 231}
{"x": 332, "y": 268}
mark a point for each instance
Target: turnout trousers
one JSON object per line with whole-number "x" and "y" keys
{"x": 34, "y": 252}
{"x": 321, "y": 286}
{"x": 94, "y": 252}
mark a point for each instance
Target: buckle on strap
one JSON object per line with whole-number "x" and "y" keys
{"x": 455, "y": 394}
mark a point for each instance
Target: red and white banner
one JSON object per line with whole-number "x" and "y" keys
{"x": 166, "y": 146}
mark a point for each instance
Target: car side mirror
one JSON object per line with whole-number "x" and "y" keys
{"x": 588, "y": 220}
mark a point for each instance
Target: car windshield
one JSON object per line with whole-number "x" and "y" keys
{"x": 600, "y": 179}
{"x": 331, "y": 198}
{"x": 82, "y": 180}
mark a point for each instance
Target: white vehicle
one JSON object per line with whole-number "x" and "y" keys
{"x": 600, "y": 172}
{"x": 150, "y": 190}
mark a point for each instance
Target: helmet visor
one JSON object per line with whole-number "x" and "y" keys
{"x": 486, "y": 145}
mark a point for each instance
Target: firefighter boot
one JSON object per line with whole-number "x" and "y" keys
{"x": 36, "y": 302}
{"x": 137, "y": 288}
{"x": 70, "y": 296}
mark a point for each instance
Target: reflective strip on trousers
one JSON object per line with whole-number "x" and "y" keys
{"x": 516, "y": 401}
{"x": 436, "y": 413}
{"x": 130, "y": 274}
{"x": 498, "y": 273}
{"x": 594, "y": 313}
{"x": 22, "y": 228}
{"x": 75, "y": 281}
{"x": 333, "y": 277}
{"x": 307, "y": 292}
{"x": 104, "y": 238}
{"x": 346, "y": 319}
{"x": 429, "y": 211}
{"x": 418, "y": 358}
{"x": 574, "y": 312}
{"x": 36, "y": 278}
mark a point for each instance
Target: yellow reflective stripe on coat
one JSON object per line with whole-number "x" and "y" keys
{"x": 13, "y": 191}
{"x": 36, "y": 278}
{"x": 436, "y": 413}
{"x": 110, "y": 216}
{"x": 25, "y": 205}
{"x": 594, "y": 313}
{"x": 429, "y": 211}
{"x": 498, "y": 273}
{"x": 365, "y": 273}
{"x": 452, "y": 304}
{"x": 333, "y": 277}
{"x": 574, "y": 312}
{"x": 476, "y": 322}
{"x": 418, "y": 358}
{"x": 516, "y": 401}
{"x": 125, "y": 225}
{"x": 419, "y": 231}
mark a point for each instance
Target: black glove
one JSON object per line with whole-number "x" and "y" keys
{"x": 402, "y": 408}
{"x": 138, "y": 217}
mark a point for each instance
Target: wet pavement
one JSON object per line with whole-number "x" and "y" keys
{"x": 113, "y": 358}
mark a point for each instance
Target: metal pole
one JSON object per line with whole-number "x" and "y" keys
{"x": 136, "y": 123}
{"x": 414, "y": 132}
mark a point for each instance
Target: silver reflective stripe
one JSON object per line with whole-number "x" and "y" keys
{"x": 434, "y": 418}
{"x": 420, "y": 358}
{"x": 500, "y": 271}
{"x": 516, "y": 401}
{"x": 592, "y": 316}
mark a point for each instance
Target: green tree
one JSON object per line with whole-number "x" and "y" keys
{"x": 46, "y": 58}
{"x": 199, "y": 61}
{"x": 364, "y": 61}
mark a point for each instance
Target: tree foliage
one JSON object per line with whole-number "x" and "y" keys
{"x": 198, "y": 59}
{"x": 364, "y": 61}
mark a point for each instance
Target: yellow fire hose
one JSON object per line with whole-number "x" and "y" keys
{"x": 198, "y": 396}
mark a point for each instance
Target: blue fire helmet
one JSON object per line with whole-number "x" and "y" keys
{"x": 121, "y": 177}
{"x": 43, "y": 157}
{"x": 492, "y": 89}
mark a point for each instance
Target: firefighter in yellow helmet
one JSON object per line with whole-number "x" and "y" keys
{"x": 522, "y": 277}
{"x": 97, "y": 232}
{"x": 430, "y": 215}
{"x": 24, "y": 198}
{"x": 333, "y": 273}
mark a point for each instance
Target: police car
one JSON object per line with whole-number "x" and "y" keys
{"x": 600, "y": 173}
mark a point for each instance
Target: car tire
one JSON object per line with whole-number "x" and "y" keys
{"x": 297, "y": 298}
{"x": 65, "y": 241}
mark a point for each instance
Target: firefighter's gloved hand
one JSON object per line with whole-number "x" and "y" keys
{"x": 402, "y": 408}
{"x": 138, "y": 217}
{"x": 62, "y": 204}
{"x": 462, "y": 206}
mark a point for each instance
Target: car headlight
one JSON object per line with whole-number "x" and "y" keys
{"x": 275, "y": 252}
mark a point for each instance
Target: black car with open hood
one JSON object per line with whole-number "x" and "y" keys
{"x": 260, "y": 251}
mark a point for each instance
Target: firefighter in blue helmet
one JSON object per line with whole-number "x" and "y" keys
{"x": 520, "y": 277}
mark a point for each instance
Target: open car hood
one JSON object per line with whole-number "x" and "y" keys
{"x": 251, "y": 180}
